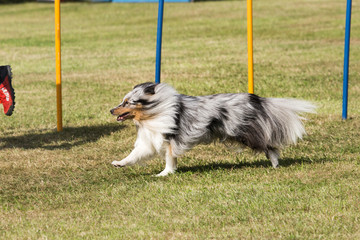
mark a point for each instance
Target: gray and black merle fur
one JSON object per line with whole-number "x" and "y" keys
{"x": 262, "y": 124}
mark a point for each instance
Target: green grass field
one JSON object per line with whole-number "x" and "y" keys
{"x": 62, "y": 185}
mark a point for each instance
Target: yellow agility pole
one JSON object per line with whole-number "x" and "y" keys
{"x": 250, "y": 47}
{"x": 58, "y": 65}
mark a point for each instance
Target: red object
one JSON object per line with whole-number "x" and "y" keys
{"x": 7, "y": 94}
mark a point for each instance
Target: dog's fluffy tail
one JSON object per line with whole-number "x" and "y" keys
{"x": 285, "y": 117}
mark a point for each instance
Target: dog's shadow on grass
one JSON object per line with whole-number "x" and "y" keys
{"x": 286, "y": 162}
{"x": 52, "y": 140}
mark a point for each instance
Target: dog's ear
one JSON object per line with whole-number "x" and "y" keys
{"x": 150, "y": 90}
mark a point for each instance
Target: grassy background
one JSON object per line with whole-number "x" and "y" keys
{"x": 62, "y": 185}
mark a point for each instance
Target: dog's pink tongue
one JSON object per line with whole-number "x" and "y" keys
{"x": 120, "y": 118}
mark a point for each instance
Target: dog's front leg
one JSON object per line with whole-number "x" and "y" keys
{"x": 139, "y": 153}
{"x": 171, "y": 163}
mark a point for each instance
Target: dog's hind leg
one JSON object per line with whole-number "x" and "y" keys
{"x": 171, "y": 163}
{"x": 273, "y": 155}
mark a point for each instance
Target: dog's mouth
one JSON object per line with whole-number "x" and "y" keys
{"x": 123, "y": 117}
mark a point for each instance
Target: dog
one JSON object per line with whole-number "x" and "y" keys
{"x": 169, "y": 123}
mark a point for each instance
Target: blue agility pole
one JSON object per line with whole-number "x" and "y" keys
{"x": 158, "y": 41}
{"x": 346, "y": 59}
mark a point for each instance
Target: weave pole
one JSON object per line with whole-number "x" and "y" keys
{"x": 250, "y": 47}
{"x": 58, "y": 65}
{"x": 159, "y": 41}
{"x": 346, "y": 59}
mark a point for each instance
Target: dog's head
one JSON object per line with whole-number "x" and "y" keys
{"x": 136, "y": 102}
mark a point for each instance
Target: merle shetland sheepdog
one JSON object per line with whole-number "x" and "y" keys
{"x": 169, "y": 123}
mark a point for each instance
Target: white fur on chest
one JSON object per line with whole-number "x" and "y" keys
{"x": 149, "y": 136}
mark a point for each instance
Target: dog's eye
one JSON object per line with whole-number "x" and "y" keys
{"x": 141, "y": 101}
{"x": 133, "y": 102}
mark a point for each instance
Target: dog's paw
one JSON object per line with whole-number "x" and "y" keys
{"x": 165, "y": 172}
{"x": 118, "y": 164}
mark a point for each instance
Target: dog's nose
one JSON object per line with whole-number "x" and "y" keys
{"x": 112, "y": 111}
